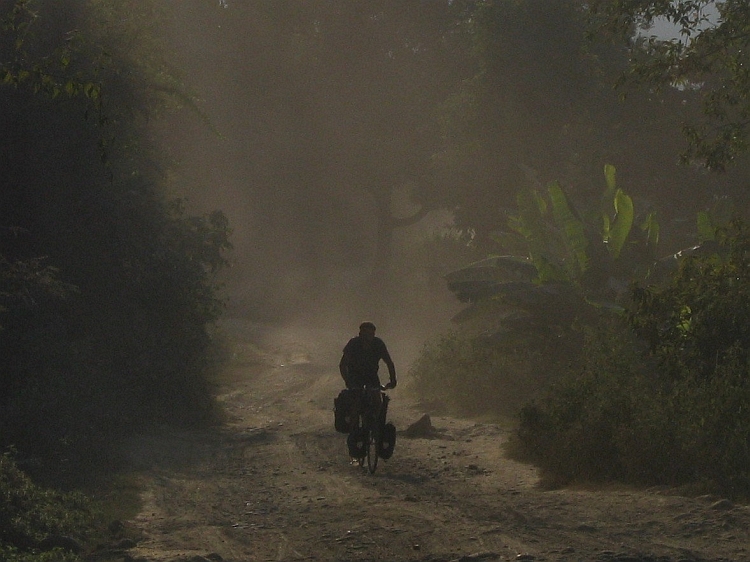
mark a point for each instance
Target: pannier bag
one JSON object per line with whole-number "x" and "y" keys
{"x": 387, "y": 441}
{"x": 357, "y": 443}
{"x": 344, "y": 411}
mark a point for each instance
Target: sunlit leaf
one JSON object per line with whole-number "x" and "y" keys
{"x": 609, "y": 176}
{"x": 620, "y": 229}
{"x": 575, "y": 237}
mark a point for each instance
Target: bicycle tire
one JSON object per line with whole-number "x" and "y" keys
{"x": 372, "y": 451}
{"x": 360, "y": 424}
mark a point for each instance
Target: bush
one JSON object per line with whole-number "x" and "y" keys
{"x": 108, "y": 291}
{"x": 473, "y": 376}
{"x": 30, "y": 516}
{"x": 673, "y": 411}
{"x": 597, "y": 421}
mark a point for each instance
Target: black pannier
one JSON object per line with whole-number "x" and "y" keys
{"x": 387, "y": 441}
{"x": 345, "y": 411}
{"x": 357, "y": 443}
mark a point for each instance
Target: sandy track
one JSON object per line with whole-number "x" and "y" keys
{"x": 275, "y": 484}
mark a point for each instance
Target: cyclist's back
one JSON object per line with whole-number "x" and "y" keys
{"x": 361, "y": 359}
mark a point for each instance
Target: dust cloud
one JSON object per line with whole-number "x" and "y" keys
{"x": 289, "y": 158}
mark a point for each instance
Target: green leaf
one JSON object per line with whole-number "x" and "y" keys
{"x": 609, "y": 175}
{"x": 548, "y": 271}
{"x": 651, "y": 227}
{"x": 490, "y": 276}
{"x": 575, "y": 236}
{"x": 623, "y": 222}
{"x": 530, "y": 223}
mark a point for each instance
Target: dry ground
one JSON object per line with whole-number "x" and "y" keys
{"x": 275, "y": 484}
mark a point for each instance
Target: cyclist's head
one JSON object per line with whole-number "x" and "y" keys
{"x": 367, "y": 329}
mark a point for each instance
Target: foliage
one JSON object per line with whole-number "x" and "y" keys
{"x": 709, "y": 60}
{"x": 674, "y": 410}
{"x": 583, "y": 427}
{"x": 477, "y": 376}
{"x": 530, "y": 308}
{"x": 30, "y": 514}
{"x": 558, "y": 246}
{"x": 701, "y": 320}
{"x": 540, "y": 108}
{"x": 26, "y": 279}
{"x": 108, "y": 288}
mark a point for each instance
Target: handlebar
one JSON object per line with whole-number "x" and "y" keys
{"x": 381, "y": 388}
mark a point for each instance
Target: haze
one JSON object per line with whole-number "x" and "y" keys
{"x": 290, "y": 161}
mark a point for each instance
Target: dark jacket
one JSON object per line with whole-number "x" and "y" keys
{"x": 361, "y": 362}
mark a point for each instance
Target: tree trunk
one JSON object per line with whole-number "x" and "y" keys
{"x": 382, "y": 276}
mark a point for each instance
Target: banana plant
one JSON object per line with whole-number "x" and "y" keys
{"x": 569, "y": 263}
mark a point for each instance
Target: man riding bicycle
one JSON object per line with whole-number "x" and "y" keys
{"x": 359, "y": 367}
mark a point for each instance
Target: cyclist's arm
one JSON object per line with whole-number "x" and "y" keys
{"x": 344, "y": 366}
{"x": 391, "y": 368}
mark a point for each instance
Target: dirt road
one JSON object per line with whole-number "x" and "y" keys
{"x": 275, "y": 484}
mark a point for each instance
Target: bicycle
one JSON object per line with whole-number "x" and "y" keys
{"x": 369, "y": 427}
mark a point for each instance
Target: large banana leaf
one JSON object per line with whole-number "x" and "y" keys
{"x": 619, "y": 230}
{"x": 651, "y": 227}
{"x": 488, "y": 276}
{"x": 575, "y": 236}
{"x": 534, "y": 305}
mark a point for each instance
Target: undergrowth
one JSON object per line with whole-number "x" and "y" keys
{"x": 36, "y": 522}
{"x": 472, "y": 376}
{"x": 664, "y": 397}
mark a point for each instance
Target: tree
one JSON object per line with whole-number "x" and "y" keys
{"x": 395, "y": 70}
{"x": 541, "y": 108}
{"x": 330, "y": 110}
{"x": 708, "y": 62}
{"x": 108, "y": 288}
{"x": 559, "y": 262}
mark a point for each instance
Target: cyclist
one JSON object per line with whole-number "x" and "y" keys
{"x": 359, "y": 368}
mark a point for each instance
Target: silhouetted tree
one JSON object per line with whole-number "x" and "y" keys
{"x": 84, "y": 209}
{"x": 708, "y": 60}
{"x": 542, "y": 108}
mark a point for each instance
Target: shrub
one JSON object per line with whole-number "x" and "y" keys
{"x": 108, "y": 290}
{"x": 675, "y": 410}
{"x": 29, "y": 515}
{"x": 474, "y": 375}
{"x": 576, "y": 431}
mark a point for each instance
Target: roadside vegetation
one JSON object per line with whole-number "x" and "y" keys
{"x": 40, "y": 525}
{"x": 108, "y": 288}
{"x": 612, "y": 326}
{"x": 661, "y": 396}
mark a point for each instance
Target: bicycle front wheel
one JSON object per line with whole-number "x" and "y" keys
{"x": 372, "y": 451}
